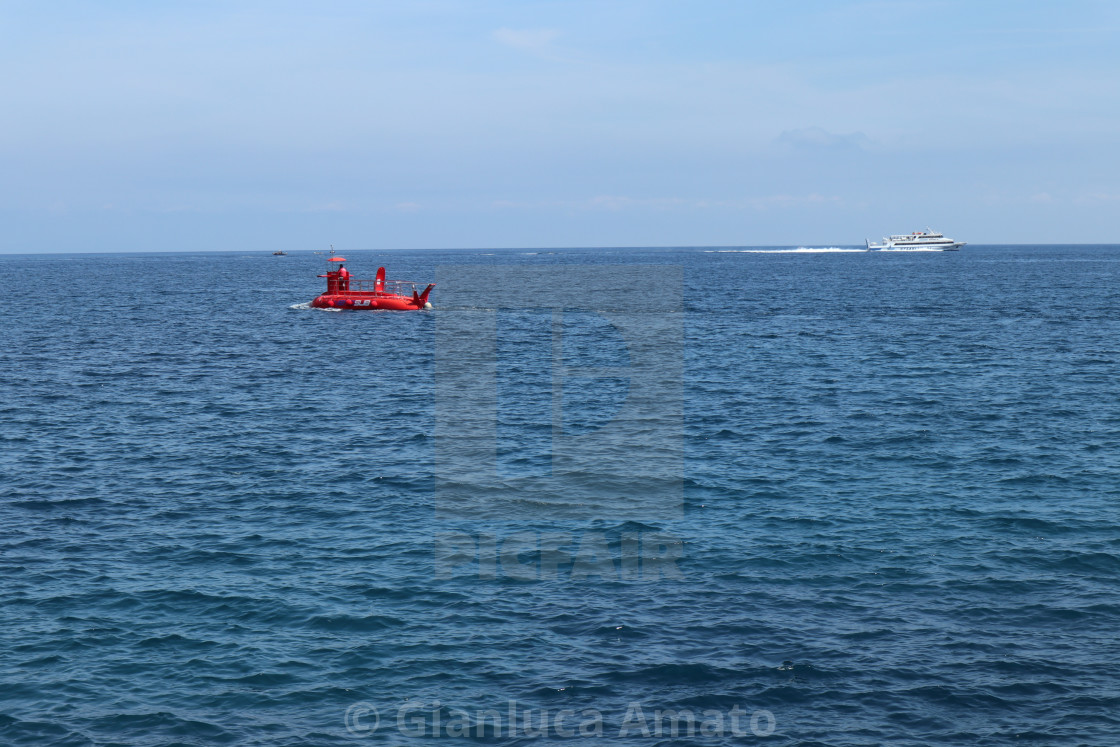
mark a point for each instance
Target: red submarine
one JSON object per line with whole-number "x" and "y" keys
{"x": 379, "y": 293}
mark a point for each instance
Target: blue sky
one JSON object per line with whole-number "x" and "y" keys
{"x": 138, "y": 126}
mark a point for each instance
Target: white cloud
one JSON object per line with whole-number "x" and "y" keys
{"x": 1097, "y": 199}
{"x": 818, "y": 138}
{"x": 530, "y": 40}
{"x": 791, "y": 201}
{"x": 616, "y": 203}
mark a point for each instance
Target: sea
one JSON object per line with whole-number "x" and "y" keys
{"x": 687, "y": 496}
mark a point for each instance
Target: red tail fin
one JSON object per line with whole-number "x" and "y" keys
{"x": 379, "y": 283}
{"x": 424, "y": 295}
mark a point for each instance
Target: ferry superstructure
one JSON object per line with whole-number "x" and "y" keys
{"x": 926, "y": 239}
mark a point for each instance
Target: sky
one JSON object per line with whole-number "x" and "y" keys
{"x": 127, "y": 125}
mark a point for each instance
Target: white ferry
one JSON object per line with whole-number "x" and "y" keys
{"x": 926, "y": 239}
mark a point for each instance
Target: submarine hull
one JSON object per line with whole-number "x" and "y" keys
{"x": 370, "y": 301}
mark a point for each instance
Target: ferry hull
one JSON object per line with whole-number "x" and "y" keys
{"x": 954, "y": 247}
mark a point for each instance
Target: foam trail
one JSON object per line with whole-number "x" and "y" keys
{"x": 303, "y": 306}
{"x": 798, "y": 250}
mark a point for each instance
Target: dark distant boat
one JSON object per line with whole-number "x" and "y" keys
{"x": 279, "y": 254}
{"x": 926, "y": 239}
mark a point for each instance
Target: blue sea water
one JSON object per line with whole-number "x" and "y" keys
{"x": 898, "y": 520}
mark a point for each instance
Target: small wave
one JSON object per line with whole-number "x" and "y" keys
{"x": 353, "y": 623}
{"x": 59, "y": 503}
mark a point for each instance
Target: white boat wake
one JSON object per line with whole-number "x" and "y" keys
{"x": 304, "y": 306}
{"x": 798, "y": 250}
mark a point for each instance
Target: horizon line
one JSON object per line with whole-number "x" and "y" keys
{"x": 512, "y": 248}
